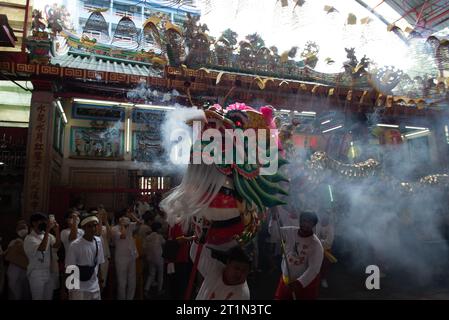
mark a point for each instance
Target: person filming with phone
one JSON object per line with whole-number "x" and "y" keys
{"x": 38, "y": 247}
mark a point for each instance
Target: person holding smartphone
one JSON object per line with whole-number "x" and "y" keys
{"x": 38, "y": 247}
{"x": 72, "y": 232}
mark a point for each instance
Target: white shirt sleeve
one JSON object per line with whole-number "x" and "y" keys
{"x": 207, "y": 265}
{"x": 315, "y": 259}
{"x": 65, "y": 238}
{"x": 100, "y": 258}
{"x": 243, "y": 294}
{"x": 30, "y": 245}
{"x": 52, "y": 239}
{"x": 132, "y": 227}
{"x": 273, "y": 230}
{"x": 115, "y": 233}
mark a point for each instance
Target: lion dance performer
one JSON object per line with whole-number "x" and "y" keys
{"x": 224, "y": 202}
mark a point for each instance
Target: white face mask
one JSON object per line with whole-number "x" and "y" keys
{"x": 22, "y": 232}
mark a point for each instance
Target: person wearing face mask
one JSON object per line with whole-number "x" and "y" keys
{"x": 38, "y": 247}
{"x": 125, "y": 255}
{"x": 18, "y": 262}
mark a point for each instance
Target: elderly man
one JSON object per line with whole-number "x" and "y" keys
{"x": 87, "y": 254}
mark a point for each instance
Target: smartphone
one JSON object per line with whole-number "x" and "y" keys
{"x": 51, "y": 218}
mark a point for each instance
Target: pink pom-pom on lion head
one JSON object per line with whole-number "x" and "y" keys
{"x": 268, "y": 112}
{"x": 239, "y": 106}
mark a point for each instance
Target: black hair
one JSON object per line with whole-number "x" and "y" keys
{"x": 148, "y": 216}
{"x": 37, "y": 216}
{"x": 155, "y": 226}
{"x": 69, "y": 214}
{"x": 237, "y": 254}
{"x": 121, "y": 213}
{"x": 309, "y": 216}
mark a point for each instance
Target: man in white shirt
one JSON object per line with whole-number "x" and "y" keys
{"x": 72, "y": 232}
{"x": 125, "y": 255}
{"x": 141, "y": 207}
{"x": 301, "y": 262}
{"x": 224, "y": 282}
{"x": 38, "y": 247}
{"x": 87, "y": 252}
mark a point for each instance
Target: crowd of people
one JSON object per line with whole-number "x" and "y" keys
{"x": 135, "y": 254}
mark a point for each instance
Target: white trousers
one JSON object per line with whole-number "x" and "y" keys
{"x": 84, "y": 295}
{"x": 41, "y": 284}
{"x": 18, "y": 283}
{"x": 126, "y": 277}
{"x": 155, "y": 268}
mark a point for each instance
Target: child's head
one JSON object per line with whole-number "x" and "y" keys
{"x": 237, "y": 267}
{"x": 307, "y": 221}
{"x": 148, "y": 217}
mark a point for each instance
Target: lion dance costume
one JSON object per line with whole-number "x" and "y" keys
{"x": 224, "y": 202}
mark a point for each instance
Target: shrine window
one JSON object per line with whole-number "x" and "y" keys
{"x": 155, "y": 184}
